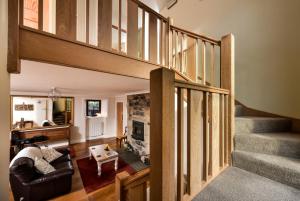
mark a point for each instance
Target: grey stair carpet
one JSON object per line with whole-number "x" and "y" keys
{"x": 235, "y": 184}
{"x": 282, "y": 144}
{"x": 261, "y": 124}
{"x": 281, "y": 169}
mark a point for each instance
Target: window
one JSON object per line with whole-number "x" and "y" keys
{"x": 93, "y": 107}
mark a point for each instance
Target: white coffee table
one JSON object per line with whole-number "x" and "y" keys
{"x": 103, "y": 154}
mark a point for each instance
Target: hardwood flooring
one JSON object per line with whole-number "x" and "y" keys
{"x": 78, "y": 193}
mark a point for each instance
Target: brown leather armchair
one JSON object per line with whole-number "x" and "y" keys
{"x": 28, "y": 185}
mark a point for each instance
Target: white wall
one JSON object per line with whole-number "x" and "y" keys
{"x": 38, "y": 115}
{"x": 267, "y": 46}
{"x": 4, "y": 104}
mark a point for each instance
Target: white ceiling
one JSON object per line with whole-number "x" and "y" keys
{"x": 40, "y": 77}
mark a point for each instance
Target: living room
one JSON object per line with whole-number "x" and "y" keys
{"x": 105, "y": 109}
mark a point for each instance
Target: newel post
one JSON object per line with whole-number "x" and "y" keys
{"x": 162, "y": 136}
{"x": 227, "y": 82}
{"x": 15, "y": 8}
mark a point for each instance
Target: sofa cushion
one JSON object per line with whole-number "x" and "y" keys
{"x": 43, "y": 166}
{"x": 50, "y": 154}
{"x": 64, "y": 165}
{"x": 29, "y": 152}
{"x": 63, "y": 158}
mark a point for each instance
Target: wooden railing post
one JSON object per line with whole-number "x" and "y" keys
{"x": 13, "y": 61}
{"x": 227, "y": 82}
{"x": 162, "y": 136}
{"x": 120, "y": 178}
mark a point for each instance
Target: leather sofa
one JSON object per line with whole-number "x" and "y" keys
{"x": 29, "y": 185}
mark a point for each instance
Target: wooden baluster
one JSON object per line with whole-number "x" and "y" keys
{"x": 212, "y": 63}
{"x": 226, "y": 130}
{"x": 162, "y": 137}
{"x": 105, "y": 24}
{"x": 180, "y": 141}
{"x": 197, "y": 77}
{"x": 169, "y": 45}
{"x": 195, "y": 142}
{"x": 40, "y": 15}
{"x": 120, "y": 27}
{"x": 221, "y": 132}
{"x": 66, "y": 21}
{"x": 162, "y": 43}
{"x": 181, "y": 57}
{"x": 205, "y": 136}
{"x": 21, "y": 11}
{"x": 176, "y": 49}
{"x": 227, "y": 82}
{"x": 204, "y": 62}
{"x": 210, "y": 114}
{"x": 132, "y": 29}
{"x": 87, "y": 22}
{"x": 143, "y": 35}
{"x": 152, "y": 38}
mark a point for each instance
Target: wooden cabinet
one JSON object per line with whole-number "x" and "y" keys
{"x": 53, "y": 133}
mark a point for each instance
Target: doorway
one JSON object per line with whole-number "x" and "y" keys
{"x": 119, "y": 118}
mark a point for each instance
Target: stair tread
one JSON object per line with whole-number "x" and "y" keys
{"x": 280, "y": 161}
{"x": 282, "y": 169}
{"x": 237, "y": 184}
{"x": 262, "y": 118}
{"x": 288, "y": 136}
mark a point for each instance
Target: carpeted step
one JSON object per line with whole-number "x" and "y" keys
{"x": 235, "y": 184}
{"x": 239, "y": 110}
{"x": 281, "y": 169}
{"x": 282, "y": 144}
{"x": 261, "y": 124}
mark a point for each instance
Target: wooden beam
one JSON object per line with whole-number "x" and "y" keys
{"x": 180, "y": 142}
{"x": 13, "y": 61}
{"x": 132, "y": 29}
{"x": 152, "y": 38}
{"x": 162, "y": 137}
{"x": 66, "y": 19}
{"x": 120, "y": 27}
{"x": 48, "y": 48}
{"x": 227, "y": 82}
{"x": 105, "y": 24}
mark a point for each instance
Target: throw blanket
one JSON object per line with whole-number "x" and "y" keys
{"x": 29, "y": 152}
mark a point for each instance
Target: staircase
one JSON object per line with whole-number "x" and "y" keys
{"x": 267, "y": 147}
{"x": 266, "y": 162}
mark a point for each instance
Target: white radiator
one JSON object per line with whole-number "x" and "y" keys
{"x": 94, "y": 127}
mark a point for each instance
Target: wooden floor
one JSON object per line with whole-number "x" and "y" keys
{"x": 78, "y": 193}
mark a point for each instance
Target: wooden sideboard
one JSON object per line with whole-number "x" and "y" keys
{"x": 54, "y": 133}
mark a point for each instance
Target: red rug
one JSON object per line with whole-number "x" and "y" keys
{"x": 89, "y": 174}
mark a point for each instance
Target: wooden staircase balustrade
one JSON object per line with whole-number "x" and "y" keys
{"x": 187, "y": 155}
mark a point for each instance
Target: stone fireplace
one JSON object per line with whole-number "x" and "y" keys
{"x": 138, "y": 107}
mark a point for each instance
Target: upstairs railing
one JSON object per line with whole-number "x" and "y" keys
{"x": 125, "y": 27}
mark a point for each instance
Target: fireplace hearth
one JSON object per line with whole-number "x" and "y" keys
{"x": 138, "y": 130}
